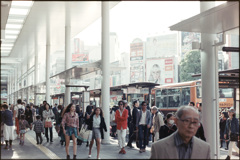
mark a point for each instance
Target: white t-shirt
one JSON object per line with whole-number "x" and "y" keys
{"x": 143, "y": 118}
{"x": 17, "y": 107}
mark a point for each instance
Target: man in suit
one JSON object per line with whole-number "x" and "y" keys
{"x": 143, "y": 124}
{"x": 183, "y": 144}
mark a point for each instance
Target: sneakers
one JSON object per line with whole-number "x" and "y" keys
{"x": 89, "y": 156}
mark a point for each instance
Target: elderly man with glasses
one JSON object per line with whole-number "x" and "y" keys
{"x": 182, "y": 144}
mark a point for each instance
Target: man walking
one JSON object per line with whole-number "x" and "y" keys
{"x": 143, "y": 125}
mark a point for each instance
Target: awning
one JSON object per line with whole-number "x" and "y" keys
{"x": 219, "y": 19}
{"x": 227, "y": 78}
{"x": 85, "y": 71}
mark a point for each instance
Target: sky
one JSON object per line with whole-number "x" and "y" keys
{"x": 142, "y": 19}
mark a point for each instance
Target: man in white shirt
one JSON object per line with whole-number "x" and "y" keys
{"x": 15, "y": 114}
{"x": 143, "y": 124}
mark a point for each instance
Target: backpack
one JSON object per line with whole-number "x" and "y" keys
{"x": 20, "y": 112}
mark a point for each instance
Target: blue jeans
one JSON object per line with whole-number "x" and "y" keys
{"x": 142, "y": 132}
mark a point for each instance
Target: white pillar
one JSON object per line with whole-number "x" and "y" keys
{"x": 68, "y": 60}
{"x": 209, "y": 80}
{"x": 48, "y": 73}
{"x": 36, "y": 74}
{"x": 105, "y": 69}
{"x": 8, "y": 91}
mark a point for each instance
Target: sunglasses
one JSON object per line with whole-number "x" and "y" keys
{"x": 121, "y": 104}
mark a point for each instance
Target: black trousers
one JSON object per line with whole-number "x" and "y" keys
{"x": 51, "y": 134}
{"x": 39, "y": 136}
{"x": 132, "y": 134}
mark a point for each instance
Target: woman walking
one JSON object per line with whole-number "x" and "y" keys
{"x": 71, "y": 121}
{"x": 97, "y": 124}
{"x": 88, "y": 112}
{"x": 47, "y": 115}
{"x": 232, "y": 130}
{"x": 168, "y": 128}
{"x": 8, "y": 128}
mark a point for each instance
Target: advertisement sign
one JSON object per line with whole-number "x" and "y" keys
{"x": 187, "y": 39}
{"x": 161, "y": 46}
{"x": 160, "y": 70}
{"x": 136, "y": 51}
{"x": 81, "y": 57}
{"x": 137, "y": 72}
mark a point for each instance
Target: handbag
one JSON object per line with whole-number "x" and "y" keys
{"x": 48, "y": 123}
{"x": 84, "y": 133}
{"x": 233, "y": 137}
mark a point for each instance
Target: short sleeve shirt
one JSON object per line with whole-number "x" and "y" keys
{"x": 18, "y": 107}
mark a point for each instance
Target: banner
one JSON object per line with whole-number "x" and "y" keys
{"x": 81, "y": 57}
{"x": 137, "y": 72}
{"x": 160, "y": 46}
{"x": 160, "y": 70}
{"x": 136, "y": 51}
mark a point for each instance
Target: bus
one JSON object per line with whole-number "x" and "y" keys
{"x": 168, "y": 98}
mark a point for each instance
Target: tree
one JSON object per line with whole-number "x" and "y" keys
{"x": 191, "y": 64}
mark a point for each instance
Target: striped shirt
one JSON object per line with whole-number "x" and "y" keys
{"x": 184, "y": 150}
{"x": 70, "y": 121}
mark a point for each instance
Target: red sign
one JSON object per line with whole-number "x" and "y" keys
{"x": 80, "y": 57}
{"x": 168, "y": 80}
{"x": 168, "y": 61}
{"x": 168, "y": 68}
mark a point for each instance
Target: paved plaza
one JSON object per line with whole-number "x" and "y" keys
{"x": 55, "y": 150}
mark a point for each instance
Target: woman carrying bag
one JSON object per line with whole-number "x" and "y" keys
{"x": 70, "y": 124}
{"x": 97, "y": 124}
{"x": 232, "y": 130}
{"x": 47, "y": 115}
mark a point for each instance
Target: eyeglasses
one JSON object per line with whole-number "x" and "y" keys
{"x": 195, "y": 123}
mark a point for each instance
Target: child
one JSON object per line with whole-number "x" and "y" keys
{"x": 23, "y": 125}
{"x": 38, "y": 128}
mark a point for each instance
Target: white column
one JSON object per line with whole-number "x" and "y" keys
{"x": 27, "y": 88}
{"x": 209, "y": 80}
{"x": 68, "y": 60}
{"x": 36, "y": 74}
{"x": 105, "y": 69}
{"x": 7, "y": 90}
{"x": 48, "y": 73}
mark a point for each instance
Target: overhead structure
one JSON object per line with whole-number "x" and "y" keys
{"x": 84, "y": 71}
{"x": 227, "y": 78}
{"x": 219, "y": 19}
{"x": 212, "y": 20}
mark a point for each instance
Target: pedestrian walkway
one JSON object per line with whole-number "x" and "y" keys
{"x": 30, "y": 150}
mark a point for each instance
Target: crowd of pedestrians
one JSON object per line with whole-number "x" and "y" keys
{"x": 182, "y": 132}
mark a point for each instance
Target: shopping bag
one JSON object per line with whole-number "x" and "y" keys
{"x": 48, "y": 123}
{"x": 84, "y": 133}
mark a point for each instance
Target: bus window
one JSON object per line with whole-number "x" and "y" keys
{"x": 199, "y": 91}
{"x": 185, "y": 96}
{"x": 174, "y": 97}
{"x": 226, "y": 93}
{"x": 161, "y": 102}
{"x": 161, "y": 92}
